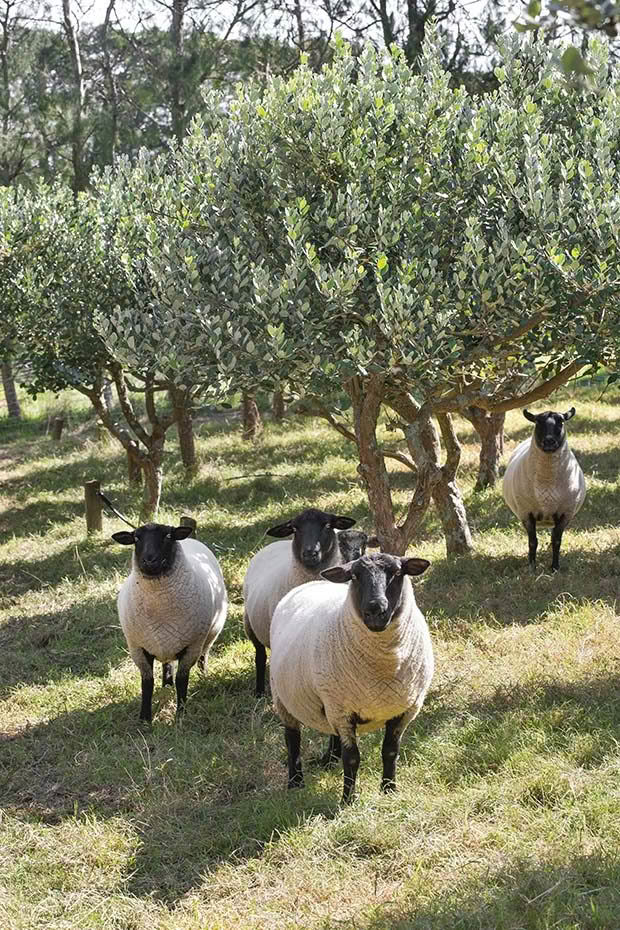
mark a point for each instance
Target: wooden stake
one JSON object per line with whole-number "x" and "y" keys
{"x": 94, "y": 506}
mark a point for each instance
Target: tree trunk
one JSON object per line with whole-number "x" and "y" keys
{"x": 277, "y": 405}
{"x": 108, "y": 396}
{"x": 366, "y": 397}
{"x": 425, "y": 449}
{"x": 153, "y": 478}
{"x": 10, "y": 392}
{"x": 78, "y": 133}
{"x": 251, "y": 418}
{"x": 134, "y": 470}
{"x": 490, "y": 429}
{"x": 185, "y": 430}
{"x": 447, "y": 496}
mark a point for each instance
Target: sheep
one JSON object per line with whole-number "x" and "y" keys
{"x": 353, "y": 544}
{"x": 283, "y": 565}
{"x": 351, "y": 660}
{"x": 172, "y": 606}
{"x": 543, "y": 482}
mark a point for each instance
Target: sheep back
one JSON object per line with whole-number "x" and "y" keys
{"x": 271, "y": 574}
{"x": 543, "y": 483}
{"x": 164, "y": 615}
{"x": 327, "y": 667}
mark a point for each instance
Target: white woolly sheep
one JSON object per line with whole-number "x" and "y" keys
{"x": 351, "y": 660}
{"x": 283, "y": 565}
{"x": 172, "y": 606}
{"x": 544, "y": 482}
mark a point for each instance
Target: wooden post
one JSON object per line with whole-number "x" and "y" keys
{"x": 189, "y": 521}
{"x": 94, "y": 506}
{"x": 57, "y": 425}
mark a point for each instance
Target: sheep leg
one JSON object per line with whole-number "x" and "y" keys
{"x": 389, "y": 751}
{"x": 292, "y": 738}
{"x": 260, "y": 660}
{"x": 186, "y": 658}
{"x": 556, "y": 540}
{"x": 530, "y": 526}
{"x": 333, "y": 753}
{"x": 167, "y": 677}
{"x": 350, "y": 760}
{"x": 144, "y": 661}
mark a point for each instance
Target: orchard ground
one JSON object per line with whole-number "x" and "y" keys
{"x": 508, "y": 809}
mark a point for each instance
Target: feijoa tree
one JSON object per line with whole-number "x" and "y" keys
{"x": 60, "y": 270}
{"x": 425, "y": 251}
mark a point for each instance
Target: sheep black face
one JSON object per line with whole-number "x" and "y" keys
{"x": 155, "y": 546}
{"x": 549, "y": 432}
{"x": 353, "y": 543}
{"x": 377, "y": 584}
{"x": 314, "y": 539}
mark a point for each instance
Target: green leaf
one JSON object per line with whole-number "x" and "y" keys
{"x": 573, "y": 62}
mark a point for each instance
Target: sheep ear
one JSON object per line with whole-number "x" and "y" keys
{"x": 373, "y": 542}
{"x": 339, "y": 573}
{"x": 182, "y": 532}
{"x": 529, "y": 416}
{"x": 414, "y": 566}
{"x": 281, "y": 530}
{"x": 341, "y": 523}
{"x": 124, "y": 538}
{"x": 571, "y": 413}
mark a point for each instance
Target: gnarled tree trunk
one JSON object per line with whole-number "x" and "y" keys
{"x": 490, "y": 429}
{"x": 252, "y": 424}
{"x": 425, "y": 449}
{"x": 153, "y": 478}
{"x": 181, "y": 406}
{"x": 10, "y": 392}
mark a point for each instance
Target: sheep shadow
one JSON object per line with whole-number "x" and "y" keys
{"x": 194, "y": 796}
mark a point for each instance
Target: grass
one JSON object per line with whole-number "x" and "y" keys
{"x": 508, "y": 809}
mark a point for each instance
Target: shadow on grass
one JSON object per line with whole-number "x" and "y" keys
{"x": 579, "y": 719}
{"x": 82, "y": 640}
{"x": 196, "y": 794}
{"x": 580, "y": 892}
{"x": 503, "y": 590}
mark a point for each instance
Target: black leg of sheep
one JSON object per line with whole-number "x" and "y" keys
{"x": 292, "y": 737}
{"x": 389, "y": 752}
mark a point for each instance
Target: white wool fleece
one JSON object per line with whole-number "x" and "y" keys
{"x": 327, "y": 666}
{"x": 272, "y": 573}
{"x": 166, "y": 614}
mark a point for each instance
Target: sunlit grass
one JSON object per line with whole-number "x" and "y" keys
{"x": 508, "y": 809}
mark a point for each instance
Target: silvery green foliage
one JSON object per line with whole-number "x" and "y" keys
{"x": 57, "y": 272}
{"x": 367, "y": 219}
{"x": 158, "y": 333}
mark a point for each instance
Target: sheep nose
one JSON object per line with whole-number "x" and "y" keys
{"x": 311, "y": 556}
{"x": 377, "y": 606}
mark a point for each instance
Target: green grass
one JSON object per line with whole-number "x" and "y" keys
{"x": 508, "y": 809}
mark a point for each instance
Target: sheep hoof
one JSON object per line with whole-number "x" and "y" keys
{"x": 388, "y": 786}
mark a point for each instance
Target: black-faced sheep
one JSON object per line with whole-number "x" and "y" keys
{"x": 283, "y": 565}
{"x": 544, "y": 483}
{"x": 351, "y": 659}
{"x": 172, "y": 606}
